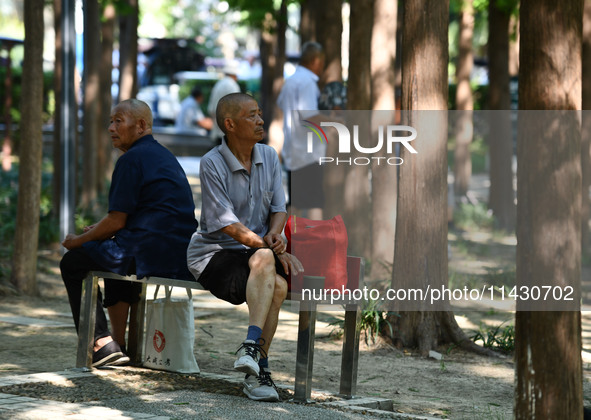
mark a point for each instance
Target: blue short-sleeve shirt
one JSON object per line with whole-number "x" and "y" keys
{"x": 231, "y": 195}
{"x": 150, "y": 186}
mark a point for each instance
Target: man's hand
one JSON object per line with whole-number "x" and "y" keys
{"x": 71, "y": 242}
{"x": 291, "y": 264}
{"x": 276, "y": 243}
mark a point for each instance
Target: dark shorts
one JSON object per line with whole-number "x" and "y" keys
{"x": 306, "y": 190}
{"x": 227, "y": 272}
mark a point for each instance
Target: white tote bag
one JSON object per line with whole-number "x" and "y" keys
{"x": 170, "y": 334}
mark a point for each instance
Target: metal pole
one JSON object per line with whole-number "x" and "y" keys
{"x": 68, "y": 120}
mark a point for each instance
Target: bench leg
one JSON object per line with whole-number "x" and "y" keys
{"x": 305, "y": 353}
{"x": 87, "y": 321}
{"x": 135, "y": 336}
{"x": 350, "y": 358}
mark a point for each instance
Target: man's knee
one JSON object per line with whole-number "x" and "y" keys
{"x": 262, "y": 260}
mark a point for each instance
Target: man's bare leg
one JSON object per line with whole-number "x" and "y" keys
{"x": 118, "y": 314}
{"x": 260, "y": 286}
{"x": 271, "y": 322}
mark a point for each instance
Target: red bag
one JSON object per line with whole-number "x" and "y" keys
{"x": 321, "y": 246}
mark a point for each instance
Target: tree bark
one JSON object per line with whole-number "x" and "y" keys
{"x": 329, "y": 29}
{"x": 384, "y": 180}
{"x": 273, "y": 57}
{"x": 548, "y": 366}
{"x": 105, "y": 147}
{"x": 128, "y": 53}
{"x": 57, "y": 88}
{"x": 357, "y": 208}
{"x": 586, "y": 132}
{"x": 24, "y": 262}
{"x": 420, "y": 256}
{"x": 308, "y": 13}
{"x": 501, "y": 195}
{"x": 464, "y": 128}
{"x": 92, "y": 90}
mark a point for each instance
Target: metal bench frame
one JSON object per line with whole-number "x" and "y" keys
{"x": 306, "y": 329}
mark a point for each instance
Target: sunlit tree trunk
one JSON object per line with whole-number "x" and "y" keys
{"x": 24, "y": 258}
{"x": 548, "y": 344}
{"x": 463, "y": 123}
{"x": 384, "y": 178}
{"x": 501, "y": 196}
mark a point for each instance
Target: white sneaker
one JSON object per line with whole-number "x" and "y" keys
{"x": 260, "y": 388}
{"x": 248, "y": 358}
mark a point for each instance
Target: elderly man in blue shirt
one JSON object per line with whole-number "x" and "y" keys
{"x": 146, "y": 231}
{"x": 239, "y": 252}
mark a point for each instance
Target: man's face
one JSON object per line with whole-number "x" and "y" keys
{"x": 124, "y": 129}
{"x": 249, "y": 122}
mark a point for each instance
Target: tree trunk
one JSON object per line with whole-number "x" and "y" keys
{"x": 7, "y": 143}
{"x": 464, "y": 128}
{"x": 384, "y": 177}
{"x": 357, "y": 207}
{"x": 24, "y": 262}
{"x": 548, "y": 366}
{"x": 128, "y": 53}
{"x": 329, "y": 30}
{"x": 420, "y": 257}
{"x": 92, "y": 91}
{"x": 586, "y": 132}
{"x": 57, "y": 88}
{"x": 272, "y": 52}
{"x": 105, "y": 147}
{"x": 308, "y": 13}
{"x": 501, "y": 195}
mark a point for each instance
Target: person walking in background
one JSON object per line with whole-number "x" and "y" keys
{"x": 300, "y": 93}
{"x": 228, "y": 84}
{"x": 191, "y": 117}
{"x": 146, "y": 231}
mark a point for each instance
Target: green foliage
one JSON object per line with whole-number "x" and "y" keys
{"x": 496, "y": 337}
{"x": 372, "y": 323}
{"x": 48, "y": 229}
{"x": 15, "y": 112}
{"x": 469, "y": 216}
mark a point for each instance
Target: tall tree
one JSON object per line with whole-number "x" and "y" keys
{"x": 464, "y": 127}
{"x": 329, "y": 28}
{"x": 92, "y": 89}
{"x": 308, "y": 20}
{"x": 548, "y": 344}
{"x": 128, "y": 23}
{"x": 24, "y": 258}
{"x": 356, "y": 213}
{"x": 384, "y": 177}
{"x": 420, "y": 256}
{"x": 586, "y": 131}
{"x": 57, "y": 89}
{"x": 501, "y": 196}
{"x": 104, "y": 161}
